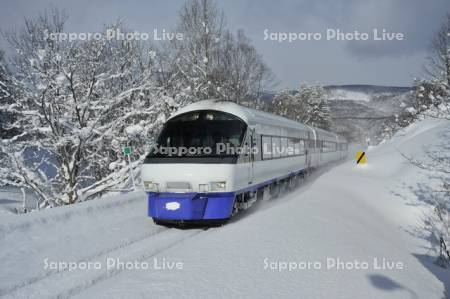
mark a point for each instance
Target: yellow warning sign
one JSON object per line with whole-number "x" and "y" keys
{"x": 361, "y": 157}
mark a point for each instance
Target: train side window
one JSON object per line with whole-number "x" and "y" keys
{"x": 290, "y": 149}
{"x": 276, "y": 144}
{"x": 297, "y": 147}
{"x": 283, "y": 147}
{"x": 325, "y": 147}
{"x": 329, "y": 146}
{"x": 302, "y": 147}
{"x": 266, "y": 144}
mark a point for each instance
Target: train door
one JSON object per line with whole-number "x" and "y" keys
{"x": 314, "y": 149}
{"x": 308, "y": 152}
{"x": 251, "y": 156}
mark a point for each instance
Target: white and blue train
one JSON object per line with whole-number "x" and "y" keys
{"x": 214, "y": 158}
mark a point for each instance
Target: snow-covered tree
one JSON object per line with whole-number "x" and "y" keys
{"x": 284, "y": 104}
{"x": 210, "y": 61}
{"x": 242, "y": 71}
{"x": 5, "y": 94}
{"x": 308, "y": 105}
{"x": 319, "y": 110}
{"x": 434, "y": 92}
{"x": 431, "y": 96}
{"x": 193, "y": 59}
{"x": 8, "y": 90}
{"x": 82, "y": 102}
{"x": 438, "y": 66}
{"x": 4, "y": 78}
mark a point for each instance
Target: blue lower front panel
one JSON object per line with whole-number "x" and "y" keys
{"x": 190, "y": 206}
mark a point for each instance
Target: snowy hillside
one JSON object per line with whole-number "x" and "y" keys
{"x": 340, "y": 94}
{"x": 360, "y": 111}
{"x": 366, "y": 108}
{"x": 363, "y": 92}
{"x": 377, "y": 101}
{"x": 350, "y": 232}
{"x": 354, "y": 92}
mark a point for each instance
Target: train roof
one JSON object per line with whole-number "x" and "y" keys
{"x": 253, "y": 117}
{"x": 248, "y": 115}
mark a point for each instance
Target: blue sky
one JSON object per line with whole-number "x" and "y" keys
{"x": 327, "y": 62}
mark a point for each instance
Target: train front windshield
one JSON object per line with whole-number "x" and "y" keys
{"x": 200, "y": 134}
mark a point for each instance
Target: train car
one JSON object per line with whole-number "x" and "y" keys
{"x": 215, "y": 158}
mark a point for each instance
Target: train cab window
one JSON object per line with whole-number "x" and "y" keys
{"x": 202, "y": 129}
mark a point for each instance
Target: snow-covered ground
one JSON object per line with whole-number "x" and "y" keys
{"x": 350, "y": 232}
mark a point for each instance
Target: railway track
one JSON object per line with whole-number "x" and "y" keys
{"x": 132, "y": 237}
{"x": 64, "y": 284}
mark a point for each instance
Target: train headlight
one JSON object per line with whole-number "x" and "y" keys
{"x": 218, "y": 186}
{"x": 150, "y": 186}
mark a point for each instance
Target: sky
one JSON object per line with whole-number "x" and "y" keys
{"x": 325, "y": 60}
